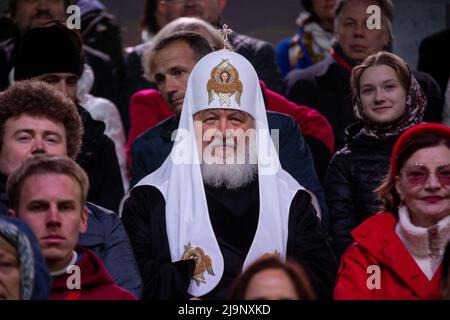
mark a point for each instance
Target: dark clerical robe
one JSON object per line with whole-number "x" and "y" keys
{"x": 234, "y": 218}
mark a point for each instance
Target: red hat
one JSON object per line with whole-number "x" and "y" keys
{"x": 412, "y": 132}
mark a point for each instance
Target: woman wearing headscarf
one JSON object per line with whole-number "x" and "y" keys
{"x": 23, "y": 272}
{"x": 387, "y": 101}
{"x": 398, "y": 253}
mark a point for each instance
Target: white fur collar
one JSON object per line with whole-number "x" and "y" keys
{"x": 422, "y": 241}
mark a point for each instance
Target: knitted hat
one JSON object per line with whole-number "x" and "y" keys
{"x": 410, "y": 134}
{"x": 53, "y": 49}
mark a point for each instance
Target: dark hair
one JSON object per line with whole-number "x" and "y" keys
{"x": 382, "y": 58}
{"x": 45, "y": 164}
{"x": 149, "y": 21}
{"x": 196, "y": 42}
{"x": 37, "y": 98}
{"x": 445, "y": 273}
{"x": 387, "y": 193}
{"x": 296, "y": 273}
{"x": 13, "y": 6}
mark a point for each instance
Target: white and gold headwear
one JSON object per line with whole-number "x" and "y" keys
{"x": 179, "y": 179}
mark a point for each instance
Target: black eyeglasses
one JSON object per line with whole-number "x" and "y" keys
{"x": 418, "y": 174}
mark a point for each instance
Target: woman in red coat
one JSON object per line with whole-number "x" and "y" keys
{"x": 397, "y": 254}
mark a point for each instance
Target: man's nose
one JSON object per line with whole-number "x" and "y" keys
{"x": 53, "y": 216}
{"x": 360, "y": 30}
{"x": 62, "y": 87}
{"x": 43, "y": 4}
{"x": 38, "y": 147}
{"x": 172, "y": 85}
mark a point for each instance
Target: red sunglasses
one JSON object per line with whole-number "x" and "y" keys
{"x": 417, "y": 175}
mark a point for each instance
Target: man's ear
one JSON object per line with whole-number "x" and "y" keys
{"x": 12, "y": 213}
{"x": 84, "y": 220}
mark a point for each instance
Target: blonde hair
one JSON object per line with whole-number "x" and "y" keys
{"x": 45, "y": 164}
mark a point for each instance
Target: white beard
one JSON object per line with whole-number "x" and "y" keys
{"x": 228, "y": 171}
{"x": 231, "y": 176}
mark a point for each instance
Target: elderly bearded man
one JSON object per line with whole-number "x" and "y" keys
{"x": 197, "y": 221}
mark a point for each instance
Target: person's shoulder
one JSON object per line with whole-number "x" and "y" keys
{"x": 275, "y": 115}
{"x": 91, "y": 126}
{"x": 146, "y": 194}
{"x": 307, "y": 74}
{"x": 424, "y": 79}
{"x": 368, "y": 230}
{"x": 280, "y": 120}
{"x": 436, "y": 39}
{"x": 147, "y": 94}
{"x": 99, "y": 212}
{"x": 149, "y": 98}
{"x": 241, "y": 40}
{"x": 153, "y": 133}
{"x": 135, "y": 52}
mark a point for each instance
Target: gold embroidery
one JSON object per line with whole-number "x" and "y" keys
{"x": 224, "y": 83}
{"x": 203, "y": 262}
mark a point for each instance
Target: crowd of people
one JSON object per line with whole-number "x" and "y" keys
{"x": 205, "y": 164}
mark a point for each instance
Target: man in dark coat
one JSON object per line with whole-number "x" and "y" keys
{"x": 34, "y": 119}
{"x": 326, "y": 85}
{"x": 220, "y": 200}
{"x": 53, "y": 54}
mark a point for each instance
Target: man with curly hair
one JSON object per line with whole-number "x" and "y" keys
{"x": 36, "y": 118}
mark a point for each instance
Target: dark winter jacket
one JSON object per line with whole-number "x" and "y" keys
{"x": 98, "y": 158}
{"x": 353, "y": 174}
{"x": 325, "y": 87}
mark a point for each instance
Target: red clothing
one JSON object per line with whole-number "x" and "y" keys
{"x": 96, "y": 283}
{"x": 147, "y": 109}
{"x": 377, "y": 244}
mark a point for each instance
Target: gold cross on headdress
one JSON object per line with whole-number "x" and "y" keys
{"x": 225, "y": 31}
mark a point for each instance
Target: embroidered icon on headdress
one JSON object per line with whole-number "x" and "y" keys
{"x": 224, "y": 83}
{"x": 203, "y": 262}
